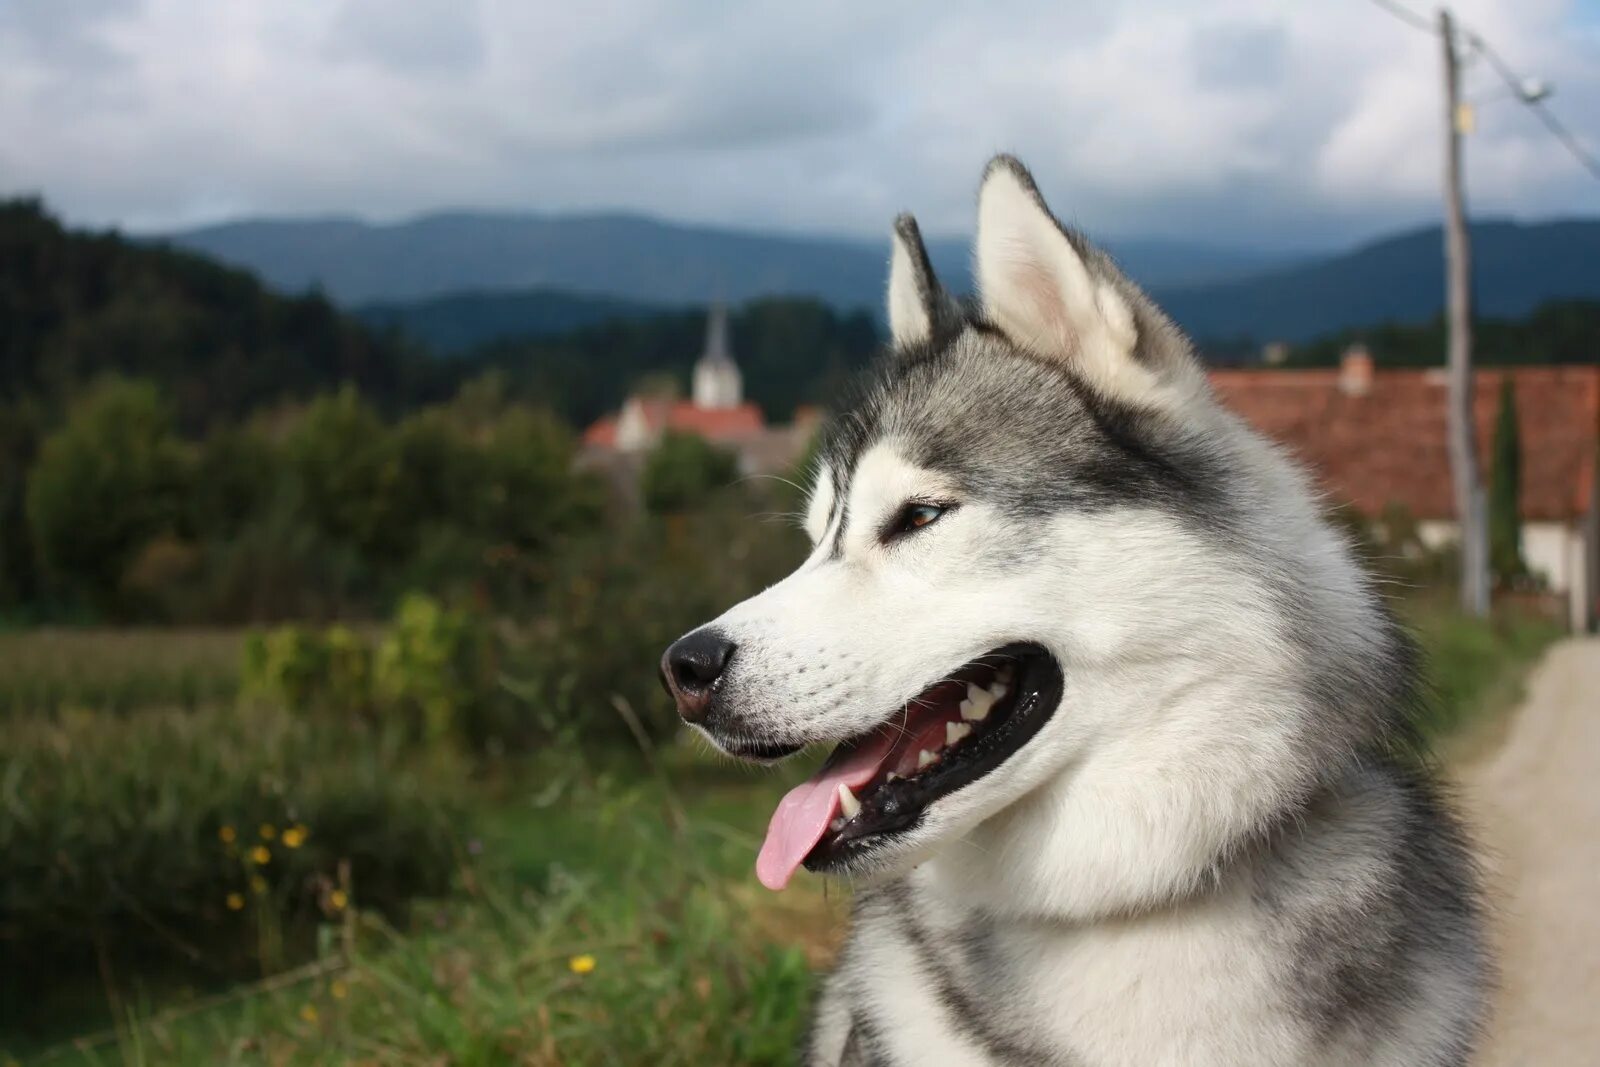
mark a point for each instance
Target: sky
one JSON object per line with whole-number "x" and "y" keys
{"x": 1273, "y": 123}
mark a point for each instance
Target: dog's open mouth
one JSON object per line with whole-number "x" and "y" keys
{"x": 879, "y": 783}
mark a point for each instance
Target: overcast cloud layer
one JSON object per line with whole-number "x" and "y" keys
{"x": 1284, "y": 122}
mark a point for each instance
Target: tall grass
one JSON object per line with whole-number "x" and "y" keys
{"x": 1473, "y": 669}
{"x": 588, "y": 926}
{"x": 600, "y": 908}
{"x": 198, "y": 845}
{"x": 50, "y": 670}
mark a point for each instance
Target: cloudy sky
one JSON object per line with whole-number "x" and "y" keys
{"x": 1274, "y": 122}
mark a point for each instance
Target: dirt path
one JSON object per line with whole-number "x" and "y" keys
{"x": 1535, "y": 801}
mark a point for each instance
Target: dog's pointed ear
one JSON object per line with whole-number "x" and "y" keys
{"x": 1054, "y": 295}
{"x": 918, "y": 304}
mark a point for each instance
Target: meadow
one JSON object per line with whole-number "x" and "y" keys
{"x": 300, "y": 891}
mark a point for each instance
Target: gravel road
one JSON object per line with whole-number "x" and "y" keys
{"x": 1534, "y": 797}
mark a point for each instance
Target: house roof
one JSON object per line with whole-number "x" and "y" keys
{"x": 1386, "y": 443}
{"x": 714, "y": 424}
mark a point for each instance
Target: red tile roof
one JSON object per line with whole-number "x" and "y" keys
{"x": 1388, "y": 444}
{"x": 714, "y": 424}
{"x": 602, "y": 432}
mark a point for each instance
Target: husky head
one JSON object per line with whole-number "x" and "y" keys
{"x": 1067, "y": 621}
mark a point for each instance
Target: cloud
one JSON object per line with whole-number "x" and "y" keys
{"x": 416, "y": 38}
{"x": 1249, "y": 120}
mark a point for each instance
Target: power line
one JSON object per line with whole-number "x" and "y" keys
{"x": 1406, "y": 15}
{"x": 1519, "y": 86}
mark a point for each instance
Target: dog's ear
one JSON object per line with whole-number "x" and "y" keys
{"x": 1054, "y": 295}
{"x": 918, "y": 304}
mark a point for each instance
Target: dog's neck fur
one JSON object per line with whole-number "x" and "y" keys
{"x": 1158, "y": 813}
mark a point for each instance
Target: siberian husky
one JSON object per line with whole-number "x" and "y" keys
{"x": 1122, "y": 772}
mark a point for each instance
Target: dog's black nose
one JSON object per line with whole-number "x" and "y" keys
{"x": 691, "y": 667}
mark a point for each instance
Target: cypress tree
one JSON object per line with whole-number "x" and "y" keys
{"x": 1505, "y": 525}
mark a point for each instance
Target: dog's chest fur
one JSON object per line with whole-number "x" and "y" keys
{"x": 1332, "y": 945}
{"x": 920, "y": 982}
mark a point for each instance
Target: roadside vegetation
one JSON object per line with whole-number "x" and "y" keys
{"x": 331, "y": 729}
{"x": 284, "y": 878}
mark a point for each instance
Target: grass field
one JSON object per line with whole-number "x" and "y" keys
{"x": 49, "y": 669}
{"x": 602, "y": 909}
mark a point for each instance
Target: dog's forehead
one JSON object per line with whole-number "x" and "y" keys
{"x": 1020, "y": 431}
{"x": 961, "y": 410}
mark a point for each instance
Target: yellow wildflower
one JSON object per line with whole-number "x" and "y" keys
{"x": 581, "y": 964}
{"x": 235, "y": 901}
{"x": 226, "y": 834}
{"x": 261, "y": 854}
{"x": 258, "y": 884}
{"x": 339, "y": 899}
{"x": 308, "y": 1012}
{"x": 268, "y": 831}
{"x": 339, "y": 990}
{"x": 294, "y": 837}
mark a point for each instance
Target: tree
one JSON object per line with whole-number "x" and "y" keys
{"x": 683, "y": 470}
{"x": 1505, "y": 485}
{"x": 348, "y": 475}
{"x": 105, "y": 483}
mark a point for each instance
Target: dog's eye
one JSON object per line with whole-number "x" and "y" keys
{"x": 915, "y": 517}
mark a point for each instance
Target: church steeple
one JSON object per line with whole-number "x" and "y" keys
{"x": 717, "y": 382}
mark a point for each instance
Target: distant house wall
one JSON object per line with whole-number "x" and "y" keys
{"x": 1557, "y": 552}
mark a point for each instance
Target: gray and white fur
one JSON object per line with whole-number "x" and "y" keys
{"x": 1221, "y": 847}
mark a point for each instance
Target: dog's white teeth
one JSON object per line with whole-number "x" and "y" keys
{"x": 955, "y": 731}
{"x": 848, "y": 802}
{"x": 999, "y": 690}
{"x": 976, "y": 707}
{"x": 836, "y": 825}
{"x": 926, "y": 759}
{"x": 893, "y": 777}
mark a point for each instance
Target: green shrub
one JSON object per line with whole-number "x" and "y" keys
{"x": 435, "y": 671}
{"x": 619, "y": 599}
{"x": 431, "y": 677}
{"x": 1505, "y": 490}
{"x": 193, "y": 836}
{"x": 104, "y": 484}
{"x": 683, "y": 471}
{"x": 288, "y": 665}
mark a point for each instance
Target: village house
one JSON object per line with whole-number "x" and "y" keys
{"x": 716, "y": 411}
{"x": 1376, "y": 437}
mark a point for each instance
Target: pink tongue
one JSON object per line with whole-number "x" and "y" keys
{"x": 804, "y": 813}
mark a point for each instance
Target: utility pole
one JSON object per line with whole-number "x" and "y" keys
{"x": 1471, "y": 501}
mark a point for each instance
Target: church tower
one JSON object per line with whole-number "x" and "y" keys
{"x": 717, "y": 383}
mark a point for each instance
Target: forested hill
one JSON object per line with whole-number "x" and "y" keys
{"x": 1562, "y": 331}
{"x": 791, "y": 351}
{"x": 629, "y": 257}
{"x": 460, "y": 322}
{"x": 75, "y": 306}
{"x": 1516, "y": 267}
{"x": 554, "y": 268}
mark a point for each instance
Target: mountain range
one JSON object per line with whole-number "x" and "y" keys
{"x": 458, "y": 279}
{"x": 1399, "y": 279}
